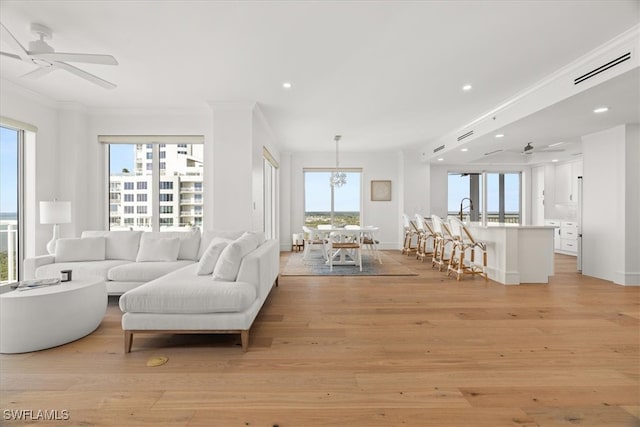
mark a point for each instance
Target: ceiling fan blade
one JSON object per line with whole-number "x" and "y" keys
{"x": 87, "y": 76}
{"x": 76, "y": 57}
{"x": 11, "y": 55}
{"x": 22, "y": 52}
{"x": 38, "y": 72}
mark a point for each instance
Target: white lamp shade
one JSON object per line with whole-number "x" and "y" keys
{"x": 55, "y": 212}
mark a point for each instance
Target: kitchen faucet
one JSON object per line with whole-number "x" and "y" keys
{"x": 470, "y": 206}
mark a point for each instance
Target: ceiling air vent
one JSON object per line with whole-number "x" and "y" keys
{"x": 602, "y": 68}
{"x": 435, "y": 150}
{"x": 466, "y": 135}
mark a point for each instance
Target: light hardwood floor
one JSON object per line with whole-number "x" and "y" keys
{"x": 419, "y": 350}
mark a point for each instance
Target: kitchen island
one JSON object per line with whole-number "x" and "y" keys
{"x": 516, "y": 254}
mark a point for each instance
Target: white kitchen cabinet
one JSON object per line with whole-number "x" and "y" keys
{"x": 569, "y": 237}
{"x": 557, "y": 242}
{"x": 566, "y": 182}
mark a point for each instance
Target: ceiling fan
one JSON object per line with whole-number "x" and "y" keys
{"x": 527, "y": 150}
{"x": 41, "y": 54}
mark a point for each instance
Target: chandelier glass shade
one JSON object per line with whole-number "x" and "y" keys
{"x": 338, "y": 178}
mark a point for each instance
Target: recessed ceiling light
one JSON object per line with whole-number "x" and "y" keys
{"x": 440, "y": 159}
{"x": 601, "y": 110}
{"x": 554, "y": 160}
{"x": 286, "y": 85}
{"x": 466, "y": 88}
{"x": 500, "y": 135}
{"x": 464, "y": 149}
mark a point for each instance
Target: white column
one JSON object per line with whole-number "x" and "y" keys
{"x": 232, "y": 166}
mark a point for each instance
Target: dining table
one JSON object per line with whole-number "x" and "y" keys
{"x": 348, "y": 233}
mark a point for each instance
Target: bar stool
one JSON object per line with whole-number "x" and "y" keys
{"x": 443, "y": 238}
{"x": 463, "y": 242}
{"x": 410, "y": 231}
{"x": 425, "y": 234}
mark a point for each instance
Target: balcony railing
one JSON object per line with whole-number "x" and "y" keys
{"x": 8, "y": 251}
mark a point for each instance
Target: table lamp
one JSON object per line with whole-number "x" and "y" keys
{"x": 55, "y": 212}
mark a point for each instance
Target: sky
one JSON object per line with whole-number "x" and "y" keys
{"x": 121, "y": 156}
{"x": 317, "y": 193}
{"x": 8, "y": 170}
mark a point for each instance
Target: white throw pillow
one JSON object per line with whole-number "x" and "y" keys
{"x": 228, "y": 264}
{"x": 210, "y": 257}
{"x": 121, "y": 244}
{"x": 84, "y": 249}
{"x": 165, "y": 249}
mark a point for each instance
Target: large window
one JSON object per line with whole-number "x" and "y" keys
{"x": 503, "y": 196}
{"x": 325, "y": 204}
{"x": 10, "y": 170}
{"x": 134, "y": 165}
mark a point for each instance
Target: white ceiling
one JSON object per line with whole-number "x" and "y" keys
{"x": 384, "y": 74}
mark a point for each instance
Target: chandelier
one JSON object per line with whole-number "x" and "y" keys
{"x": 338, "y": 179}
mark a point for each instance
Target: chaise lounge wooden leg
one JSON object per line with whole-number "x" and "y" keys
{"x": 128, "y": 341}
{"x": 244, "y": 339}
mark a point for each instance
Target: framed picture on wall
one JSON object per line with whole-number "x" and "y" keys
{"x": 380, "y": 191}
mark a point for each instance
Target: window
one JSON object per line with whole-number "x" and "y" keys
{"x": 157, "y": 182}
{"x": 324, "y": 204}
{"x": 163, "y": 154}
{"x": 11, "y": 161}
{"x": 503, "y": 196}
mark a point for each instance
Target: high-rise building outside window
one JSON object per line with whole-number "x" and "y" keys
{"x": 165, "y": 192}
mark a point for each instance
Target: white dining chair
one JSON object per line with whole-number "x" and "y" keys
{"x": 314, "y": 238}
{"x": 346, "y": 243}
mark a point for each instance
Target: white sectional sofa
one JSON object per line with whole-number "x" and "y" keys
{"x": 124, "y": 259}
{"x": 173, "y": 282}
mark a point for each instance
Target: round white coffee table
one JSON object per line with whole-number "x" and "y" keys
{"x": 50, "y": 316}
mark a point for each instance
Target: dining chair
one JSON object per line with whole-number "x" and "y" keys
{"x": 313, "y": 238}
{"x": 344, "y": 242}
{"x": 368, "y": 240}
{"x": 464, "y": 242}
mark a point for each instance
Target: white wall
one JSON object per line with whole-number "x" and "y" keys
{"x": 632, "y": 209}
{"x": 44, "y": 172}
{"x": 610, "y": 204}
{"x": 375, "y": 166}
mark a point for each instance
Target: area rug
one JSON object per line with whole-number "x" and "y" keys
{"x": 315, "y": 265}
